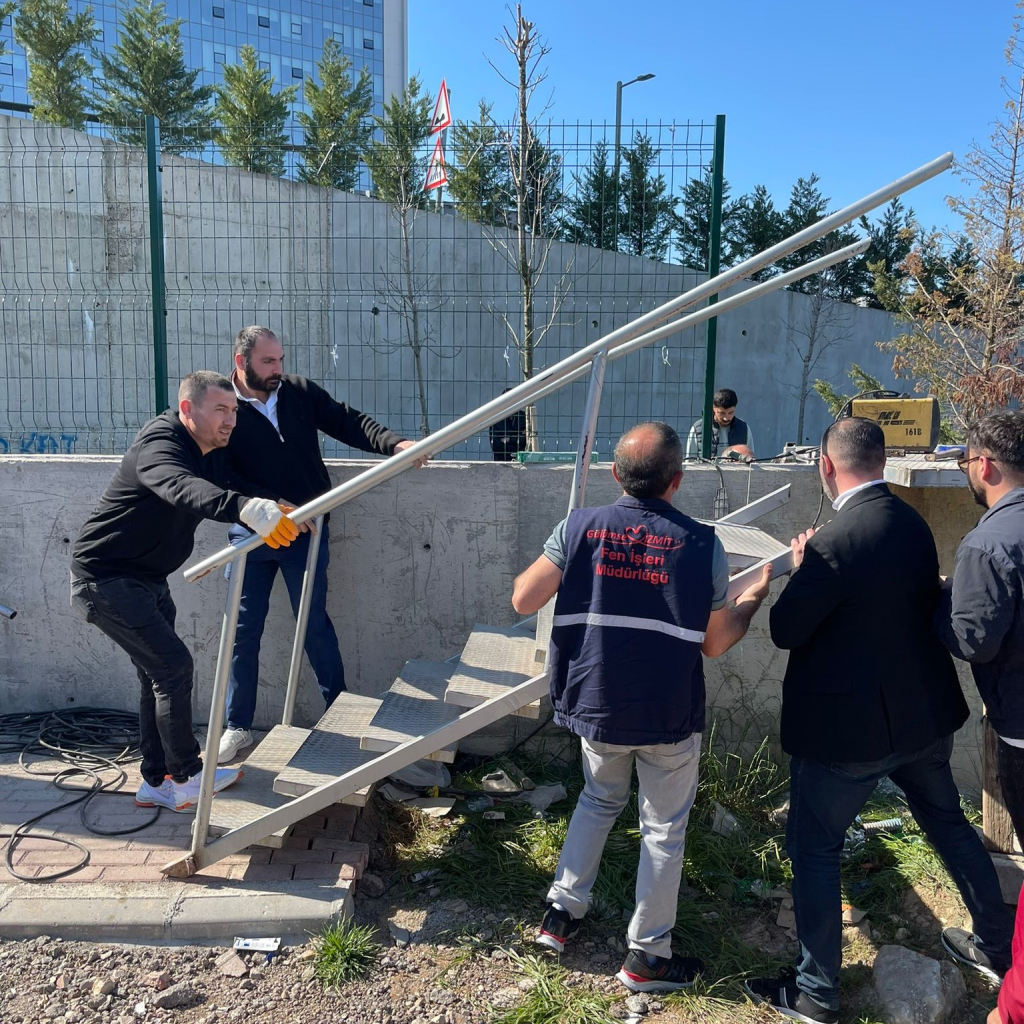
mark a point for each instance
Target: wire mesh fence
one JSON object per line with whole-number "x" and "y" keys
{"x": 414, "y": 310}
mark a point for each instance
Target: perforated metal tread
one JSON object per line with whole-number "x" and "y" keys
{"x": 253, "y": 795}
{"x": 412, "y": 707}
{"x": 493, "y": 661}
{"x": 331, "y": 749}
{"x": 747, "y": 544}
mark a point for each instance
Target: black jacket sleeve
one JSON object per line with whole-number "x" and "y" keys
{"x": 168, "y": 471}
{"x": 350, "y": 426}
{"x": 978, "y": 611}
{"x": 812, "y": 593}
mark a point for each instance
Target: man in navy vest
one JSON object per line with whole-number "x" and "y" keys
{"x": 641, "y": 593}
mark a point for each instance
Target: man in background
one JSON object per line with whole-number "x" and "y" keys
{"x": 729, "y": 434}
{"x": 276, "y": 444}
{"x": 641, "y": 594}
{"x": 172, "y": 478}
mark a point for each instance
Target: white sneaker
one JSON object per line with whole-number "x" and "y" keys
{"x": 186, "y": 794}
{"x": 156, "y": 796}
{"x": 232, "y": 742}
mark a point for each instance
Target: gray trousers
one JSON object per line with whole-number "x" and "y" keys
{"x": 667, "y": 773}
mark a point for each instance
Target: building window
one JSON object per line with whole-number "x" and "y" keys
{"x": 367, "y": 3}
{"x": 263, "y": 21}
{"x": 218, "y": 12}
{"x": 367, "y": 43}
{"x": 6, "y": 68}
{"x": 296, "y": 28}
{"x": 296, "y": 72}
{"x": 219, "y": 58}
{"x": 264, "y": 65}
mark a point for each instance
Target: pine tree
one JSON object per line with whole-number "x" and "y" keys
{"x": 336, "y": 130}
{"x": 146, "y": 74}
{"x": 252, "y": 116}
{"x": 892, "y": 238}
{"x": 589, "y": 217}
{"x": 757, "y": 226}
{"x": 396, "y": 159}
{"x": 544, "y": 198}
{"x": 59, "y": 73}
{"x": 478, "y": 177}
{"x": 695, "y": 223}
{"x": 648, "y": 214}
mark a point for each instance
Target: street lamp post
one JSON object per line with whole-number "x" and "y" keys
{"x": 619, "y": 86}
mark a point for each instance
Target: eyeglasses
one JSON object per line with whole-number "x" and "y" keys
{"x": 962, "y": 463}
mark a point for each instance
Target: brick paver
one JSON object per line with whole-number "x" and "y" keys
{"x": 319, "y": 847}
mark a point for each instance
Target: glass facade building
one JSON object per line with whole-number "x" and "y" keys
{"x": 288, "y": 35}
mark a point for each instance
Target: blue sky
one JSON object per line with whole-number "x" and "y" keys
{"x": 860, "y": 92}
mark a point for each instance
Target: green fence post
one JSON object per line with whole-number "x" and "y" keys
{"x": 156, "y": 259}
{"x": 714, "y": 261}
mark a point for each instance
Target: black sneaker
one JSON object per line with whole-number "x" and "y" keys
{"x": 782, "y": 994}
{"x": 665, "y": 975}
{"x": 557, "y": 928}
{"x": 960, "y": 945}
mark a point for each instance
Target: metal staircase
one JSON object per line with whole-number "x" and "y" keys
{"x": 431, "y": 706}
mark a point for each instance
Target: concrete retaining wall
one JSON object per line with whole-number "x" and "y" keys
{"x": 414, "y": 564}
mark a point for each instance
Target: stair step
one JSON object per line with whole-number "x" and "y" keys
{"x": 253, "y": 795}
{"x": 331, "y": 749}
{"x": 413, "y": 706}
{"x": 493, "y": 661}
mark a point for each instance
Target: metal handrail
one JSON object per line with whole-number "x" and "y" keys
{"x": 631, "y": 336}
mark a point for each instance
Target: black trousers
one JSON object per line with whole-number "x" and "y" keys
{"x": 138, "y": 615}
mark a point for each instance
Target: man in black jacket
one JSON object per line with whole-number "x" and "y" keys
{"x": 276, "y": 444}
{"x": 172, "y": 478}
{"x": 980, "y": 618}
{"x": 868, "y": 693}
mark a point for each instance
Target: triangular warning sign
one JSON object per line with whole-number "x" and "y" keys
{"x": 442, "y": 110}
{"x": 437, "y": 173}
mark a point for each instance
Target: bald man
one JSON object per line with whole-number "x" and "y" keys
{"x": 641, "y": 594}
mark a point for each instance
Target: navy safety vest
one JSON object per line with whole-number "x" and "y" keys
{"x": 737, "y": 433}
{"x": 630, "y": 618}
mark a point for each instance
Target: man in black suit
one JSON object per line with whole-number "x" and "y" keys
{"x": 869, "y": 692}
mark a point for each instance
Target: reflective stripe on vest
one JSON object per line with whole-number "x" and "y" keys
{"x": 630, "y": 622}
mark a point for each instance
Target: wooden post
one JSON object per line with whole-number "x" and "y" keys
{"x": 995, "y": 820}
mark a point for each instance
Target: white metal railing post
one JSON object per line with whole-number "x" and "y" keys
{"x": 217, "y": 699}
{"x": 586, "y": 441}
{"x": 302, "y": 621}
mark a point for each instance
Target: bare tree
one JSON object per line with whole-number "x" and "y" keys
{"x": 825, "y": 323}
{"x": 534, "y": 172}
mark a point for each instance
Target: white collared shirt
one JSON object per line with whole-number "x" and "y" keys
{"x": 268, "y": 408}
{"x": 846, "y": 495}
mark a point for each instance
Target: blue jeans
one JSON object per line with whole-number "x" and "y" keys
{"x": 824, "y": 801}
{"x": 322, "y": 650}
{"x": 138, "y": 615}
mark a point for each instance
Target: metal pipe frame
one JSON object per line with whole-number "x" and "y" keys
{"x": 574, "y": 366}
{"x": 586, "y": 441}
{"x": 539, "y": 386}
{"x": 7, "y": 613}
{"x": 201, "y": 826}
{"x": 757, "y": 508}
{"x": 302, "y": 621}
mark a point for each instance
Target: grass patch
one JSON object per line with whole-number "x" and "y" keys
{"x": 550, "y": 1000}
{"x": 345, "y": 951}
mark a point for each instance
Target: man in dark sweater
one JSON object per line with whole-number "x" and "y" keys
{"x": 172, "y": 478}
{"x": 981, "y": 619}
{"x": 869, "y": 693}
{"x": 276, "y": 444}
